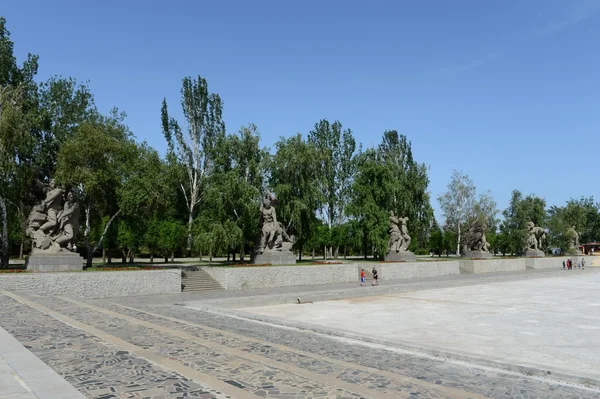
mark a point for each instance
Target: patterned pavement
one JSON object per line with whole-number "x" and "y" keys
{"x": 153, "y": 349}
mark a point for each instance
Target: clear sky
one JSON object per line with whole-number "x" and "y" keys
{"x": 508, "y": 91}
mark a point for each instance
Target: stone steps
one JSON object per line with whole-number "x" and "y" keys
{"x": 198, "y": 281}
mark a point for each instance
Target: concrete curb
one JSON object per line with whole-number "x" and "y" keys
{"x": 33, "y": 375}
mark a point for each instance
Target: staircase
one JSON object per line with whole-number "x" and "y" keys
{"x": 198, "y": 280}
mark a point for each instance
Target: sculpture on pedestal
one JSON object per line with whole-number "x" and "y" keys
{"x": 274, "y": 244}
{"x": 53, "y": 222}
{"x": 574, "y": 244}
{"x": 399, "y": 240}
{"x": 535, "y": 238}
{"x": 475, "y": 244}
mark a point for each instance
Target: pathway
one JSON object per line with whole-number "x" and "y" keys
{"x": 150, "y": 348}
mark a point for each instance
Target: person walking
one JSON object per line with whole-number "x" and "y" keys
{"x": 564, "y": 265}
{"x": 362, "y": 276}
{"x": 583, "y": 263}
{"x": 375, "y": 277}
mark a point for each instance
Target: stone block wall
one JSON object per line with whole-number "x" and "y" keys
{"x": 241, "y": 278}
{"x": 399, "y": 271}
{"x": 283, "y": 276}
{"x": 492, "y": 265}
{"x": 95, "y": 285}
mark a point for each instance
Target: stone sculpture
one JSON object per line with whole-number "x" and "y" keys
{"x": 399, "y": 240}
{"x": 274, "y": 244}
{"x": 52, "y": 225}
{"x": 574, "y": 245}
{"x": 535, "y": 238}
{"x": 475, "y": 244}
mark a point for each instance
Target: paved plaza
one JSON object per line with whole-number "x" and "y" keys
{"x": 550, "y": 323}
{"x": 163, "y": 347}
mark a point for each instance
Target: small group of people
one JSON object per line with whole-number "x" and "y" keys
{"x": 568, "y": 264}
{"x": 375, "y": 274}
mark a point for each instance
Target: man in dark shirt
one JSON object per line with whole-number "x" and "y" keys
{"x": 375, "y": 276}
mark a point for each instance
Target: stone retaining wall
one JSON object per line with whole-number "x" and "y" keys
{"x": 555, "y": 262}
{"x": 491, "y": 265}
{"x": 400, "y": 271}
{"x": 283, "y": 276}
{"x": 242, "y": 278}
{"x": 95, "y": 285}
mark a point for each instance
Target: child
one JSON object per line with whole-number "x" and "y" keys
{"x": 362, "y": 276}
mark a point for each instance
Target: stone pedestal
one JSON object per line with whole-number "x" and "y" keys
{"x": 478, "y": 254}
{"x": 55, "y": 262}
{"x": 534, "y": 253}
{"x": 275, "y": 258}
{"x": 403, "y": 256}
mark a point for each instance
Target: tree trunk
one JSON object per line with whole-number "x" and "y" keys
{"x": 325, "y": 253}
{"x": 4, "y": 235}
{"x": 228, "y": 254}
{"x": 300, "y": 252}
{"x": 242, "y": 254}
{"x": 458, "y": 242}
{"x": 200, "y": 255}
{"x": 103, "y": 255}
{"x": 166, "y": 258}
{"x": 109, "y": 255}
{"x": 90, "y": 255}
{"x": 131, "y": 256}
{"x": 21, "y": 250}
{"x": 210, "y": 255}
{"x": 190, "y": 238}
{"x": 86, "y": 237}
{"x": 313, "y": 254}
{"x": 123, "y": 256}
{"x": 233, "y": 256}
{"x": 151, "y": 257}
{"x": 172, "y": 256}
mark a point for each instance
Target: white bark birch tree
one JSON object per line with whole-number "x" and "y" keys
{"x": 457, "y": 204}
{"x": 194, "y": 150}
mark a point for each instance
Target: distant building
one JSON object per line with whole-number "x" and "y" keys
{"x": 591, "y": 248}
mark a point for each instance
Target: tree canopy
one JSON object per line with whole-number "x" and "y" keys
{"x": 201, "y": 194}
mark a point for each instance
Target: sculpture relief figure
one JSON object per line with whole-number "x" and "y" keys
{"x": 535, "y": 236}
{"x": 273, "y": 236}
{"x": 574, "y": 237}
{"x": 52, "y": 224}
{"x": 399, "y": 238}
{"x": 475, "y": 237}
{"x": 53, "y": 205}
{"x": 68, "y": 219}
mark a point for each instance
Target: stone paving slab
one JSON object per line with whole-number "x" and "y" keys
{"x": 95, "y": 367}
{"x": 22, "y": 375}
{"x": 546, "y": 324}
{"x": 152, "y": 348}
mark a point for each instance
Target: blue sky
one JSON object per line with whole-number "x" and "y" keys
{"x": 506, "y": 91}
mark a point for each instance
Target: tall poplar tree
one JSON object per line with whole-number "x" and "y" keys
{"x": 194, "y": 150}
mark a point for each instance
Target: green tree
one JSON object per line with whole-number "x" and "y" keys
{"x": 95, "y": 163}
{"x": 436, "y": 239}
{"x": 520, "y": 211}
{"x": 457, "y": 204}
{"x": 408, "y": 195}
{"x": 235, "y": 185}
{"x": 370, "y": 201}
{"x": 336, "y": 149}
{"x": 580, "y": 215}
{"x": 64, "y": 105}
{"x": 17, "y": 107}
{"x": 194, "y": 150}
{"x": 294, "y": 173}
